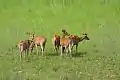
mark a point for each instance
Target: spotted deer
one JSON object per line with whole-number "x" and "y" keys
{"x": 71, "y": 41}
{"x": 56, "y": 42}
{"x": 37, "y": 41}
{"x": 23, "y": 46}
{"x": 77, "y": 39}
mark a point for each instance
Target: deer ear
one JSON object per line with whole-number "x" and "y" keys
{"x": 63, "y": 30}
{"x": 84, "y": 34}
{"x": 27, "y": 33}
{"x": 33, "y": 32}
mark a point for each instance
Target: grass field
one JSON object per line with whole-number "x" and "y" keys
{"x": 97, "y": 59}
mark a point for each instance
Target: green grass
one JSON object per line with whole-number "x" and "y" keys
{"x": 97, "y": 59}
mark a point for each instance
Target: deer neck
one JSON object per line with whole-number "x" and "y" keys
{"x": 81, "y": 39}
{"x": 32, "y": 38}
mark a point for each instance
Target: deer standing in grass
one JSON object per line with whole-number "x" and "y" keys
{"x": 37, "y": 41}
{"x": 56, "y": 42}
{"x": 77, "y": 39}
{"x": 71, "y": 41}
{"x": 23, "y": 46}
{"x": 65, "y": 42}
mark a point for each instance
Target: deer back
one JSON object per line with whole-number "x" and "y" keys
{"x": 39, "y": 40}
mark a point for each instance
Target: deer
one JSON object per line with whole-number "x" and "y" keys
{"x": 64, "y": 33}
{"x": 23, "y": 46}
{"x": 77, "y": 39}
{"x": 65, "y": 42}
{"x": 56, "y": 42}
{"x": 71, "y": 41}
{"x": 37, "y": 41}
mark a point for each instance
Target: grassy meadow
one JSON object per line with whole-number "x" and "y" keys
{"x": 97, "y": 59}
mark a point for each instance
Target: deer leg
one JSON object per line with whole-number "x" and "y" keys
{"x": 61, "y": 50}
{"x": 42, "y": 49}
{"x": 54, "y": 46}
{"x": 31, "y": 50}
{"x": 57, "y": 48}
{"x": 66, "y": 50}
{"x": 36, "y": 49}
{"x": 25, "y": 54}
{"x": 76, "y": 47}
{"x": 27, "y": 51}
{"x": 21, "y": 52}
{"x": 70, "y": 50}
{"x": 21, "y": 56}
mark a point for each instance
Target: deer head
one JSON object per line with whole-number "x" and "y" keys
{"x": 85, "y": 36}
{"x": 31, "y": 35}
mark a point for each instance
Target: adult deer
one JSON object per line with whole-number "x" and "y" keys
{"x": 65, "y": 42}
{"x": 37, "y": 41}
{"x": 56, "y": 42}
{"x": 23, "y": 46}
{"x": 72, "y": 40}
{"x": 76, "y": 39}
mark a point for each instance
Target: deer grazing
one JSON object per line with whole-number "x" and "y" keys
{"x": 23, "y": 46}
{"x": 37, "y": 41}
{"x": 71, "y": 41}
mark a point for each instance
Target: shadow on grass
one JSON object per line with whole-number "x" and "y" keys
{"x": 79, "y": 54}
{"x": 52, "y": 54}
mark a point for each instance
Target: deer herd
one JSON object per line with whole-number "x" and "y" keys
{"x": 65, "y": 43}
